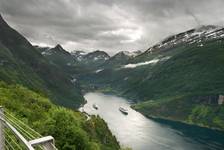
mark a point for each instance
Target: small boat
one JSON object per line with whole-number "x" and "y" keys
{"x": 95, "y": 106}
{"x": 123, "y": 110}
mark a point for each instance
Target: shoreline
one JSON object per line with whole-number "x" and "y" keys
{"x": 170, "y": 120}
{"x": 155, "y": 118}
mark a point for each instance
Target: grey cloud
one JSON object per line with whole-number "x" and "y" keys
{"x": 110, "y": 25}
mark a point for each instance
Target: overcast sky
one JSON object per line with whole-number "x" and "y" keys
{"x": 109, "y": 25}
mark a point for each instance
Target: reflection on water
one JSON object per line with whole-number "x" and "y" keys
{"x": 140, "y": 133}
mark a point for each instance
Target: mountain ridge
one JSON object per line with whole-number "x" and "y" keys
{"x": 178, "y": 70}
{"x": 35, "y": 71}
{"x": 167, "y": 82}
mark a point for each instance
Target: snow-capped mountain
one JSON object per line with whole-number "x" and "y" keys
{"x": 130, "y": 53}
{"x": 58, "y": 55}
{"x": 92, "y": 59}
{"x": 119, "y": 59}
{"x": 197, "y": 35}
{"x": 56, "y": 50}
{"x": 97, "y": 56}
{"x": 78, "y": 54}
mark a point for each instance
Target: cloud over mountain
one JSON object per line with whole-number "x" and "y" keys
{"x": 111, "y": 25}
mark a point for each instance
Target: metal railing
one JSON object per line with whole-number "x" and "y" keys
{"x": 16, "y": 135}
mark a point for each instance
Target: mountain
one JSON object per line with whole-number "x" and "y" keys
{"x": 68, "y": 62}
{"x": 129, "y": 54}
{"x": 95, "y": 58}
{"x": 181, "y": 87}
{"x": 197, "y": 35}
{"x": 104, "y": 73}
{"x": 41, "y": 49}
{"x": 109, "y": 69}
{"x": 59, "y": 56}
{"x": 78, "y": 54}
{"x": 120, "y": 58}
{"x": 178, "y": 79}
{"x": 76, "y": 62}
{"x": 30, "y": 82}
{"x": 23, "y": 64}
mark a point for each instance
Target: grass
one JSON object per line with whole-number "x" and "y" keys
{"x": 70, "y": 129}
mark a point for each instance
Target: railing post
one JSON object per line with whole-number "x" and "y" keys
{"x": 46, "y": 142}
{"x": 49, "y": 146}
{"x": 2, "y": 136}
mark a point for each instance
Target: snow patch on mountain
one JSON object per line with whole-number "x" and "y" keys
{"x": 73, "y": 80}
{"x": 198, "y": 35}
{"x": 47, "y": 52}
{"x": 100, "y": 57}
{"x": 126, "y": 78}
{"x": 78, "y": 54}
{"x": 130, "y": 54}
{"x": 99, "y": 70}
{"x": 154, "y": 61}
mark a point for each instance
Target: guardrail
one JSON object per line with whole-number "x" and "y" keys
{"x": 14, "y": 134}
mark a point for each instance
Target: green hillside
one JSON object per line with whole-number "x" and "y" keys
{"x": 61, "y": 58}
{"x": 181, "y": 89}
{"x": 178, "y": 86}
{"x": 21, "y": 63}
{"x": 29, "y": 83}
{"x": 185, "y": 109}
{"x": 194, "y": 70}
{"x": 71, "y": 130}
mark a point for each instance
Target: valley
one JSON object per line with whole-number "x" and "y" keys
{"x": 179, "y": 79}
{"x": 138, "y": 132}
{"x": 182, "y": 83}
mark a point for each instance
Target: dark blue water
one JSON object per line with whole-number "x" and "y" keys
{"x": 140, "y": 133}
